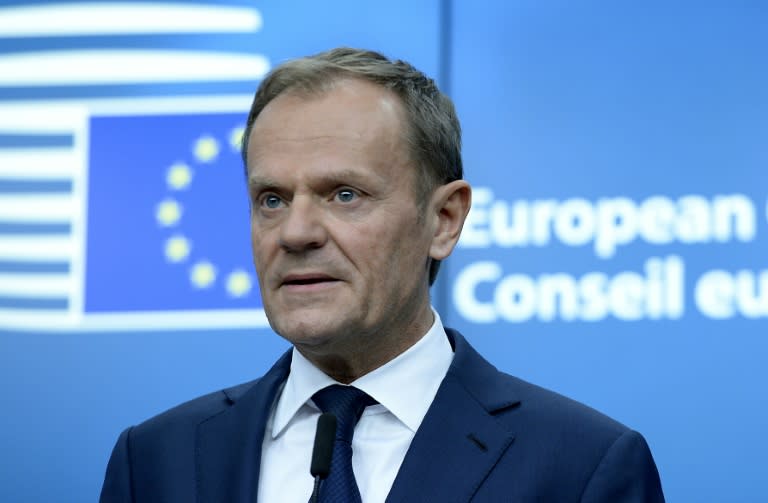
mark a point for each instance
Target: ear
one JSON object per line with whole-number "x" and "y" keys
{"x": 450, "y": 205}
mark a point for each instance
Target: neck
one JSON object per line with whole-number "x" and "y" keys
{"x": 370, "y": 352}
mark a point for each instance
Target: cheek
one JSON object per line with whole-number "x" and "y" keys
{"x": 259, "y": 248}
{"x": 394, "y": 251}
{"x": 365, "y": 251}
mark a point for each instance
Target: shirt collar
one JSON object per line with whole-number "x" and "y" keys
{"x": 405, "y": 386}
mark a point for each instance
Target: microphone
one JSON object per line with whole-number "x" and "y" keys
{"x": 322, "y": 451}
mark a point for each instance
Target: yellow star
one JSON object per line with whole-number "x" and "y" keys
{"x": 202, "y": 274}
{"x": 177, "y": 249}
{"x": 239, "y": 283}
{"x": 236, "y": 138}
{"x": 168, "y": 213}
{"x": 206, "y": 149}
{"x": 179, "y": 176}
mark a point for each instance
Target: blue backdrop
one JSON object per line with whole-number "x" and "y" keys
{"x": 616, "y": 251}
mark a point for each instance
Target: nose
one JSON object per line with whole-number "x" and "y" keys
{"x": 302, "y": 228}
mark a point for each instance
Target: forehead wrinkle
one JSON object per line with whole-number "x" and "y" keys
{"x": 282, "y": 135}
{"x": 278, "y": 141}
{"x": 324, "y": 178}
{"x": 326, "y": 162}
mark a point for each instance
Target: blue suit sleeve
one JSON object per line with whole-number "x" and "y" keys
{"x": 627, "y": 473}
{"x": 118, "y": 486}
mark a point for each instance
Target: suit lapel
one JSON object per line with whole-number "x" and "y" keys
{"x": 460, "y": 440}
{"x": 459, "y": 435}
{"x": 228, "y": 449}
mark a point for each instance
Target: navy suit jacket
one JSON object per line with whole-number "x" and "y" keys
{"x": 486, "y": 437}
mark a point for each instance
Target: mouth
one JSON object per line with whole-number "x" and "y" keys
{"x": 307, "y": 280}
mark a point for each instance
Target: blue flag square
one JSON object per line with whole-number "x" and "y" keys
{"x": 168, "y": 225}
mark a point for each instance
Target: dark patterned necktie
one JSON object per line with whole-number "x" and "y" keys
{"x": 347, "y": 404}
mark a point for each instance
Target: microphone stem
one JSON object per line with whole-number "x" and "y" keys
{"x": 315, "y": 491}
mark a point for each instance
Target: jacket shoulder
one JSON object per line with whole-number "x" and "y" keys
{"x": 562, "y": 450}
{"x": 188, "y": 415}
{"x": 553, "y": 409}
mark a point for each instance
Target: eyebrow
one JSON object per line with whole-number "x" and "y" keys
{"x": 262, "y": 183}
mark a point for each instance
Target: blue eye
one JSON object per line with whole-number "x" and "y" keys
{"x": 346, "y": 195}
{"x": 271, "y": 201}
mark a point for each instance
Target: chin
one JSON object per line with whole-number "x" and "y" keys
{"x": 305, "y": 331}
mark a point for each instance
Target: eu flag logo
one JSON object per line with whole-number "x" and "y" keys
{"x": 167, "y": 215}
{"x": 124, "y": 222}
{"x": 122, "y": 199}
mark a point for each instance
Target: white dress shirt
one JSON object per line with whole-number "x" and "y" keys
{"x": 405, "y": 388}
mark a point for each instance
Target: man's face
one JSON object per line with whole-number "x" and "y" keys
{"x": 339, "y": 243}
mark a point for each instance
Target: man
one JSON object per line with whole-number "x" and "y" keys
{"x": 356, "y": 193}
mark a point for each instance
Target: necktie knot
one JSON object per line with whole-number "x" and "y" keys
{"x": 347, "y": 403}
